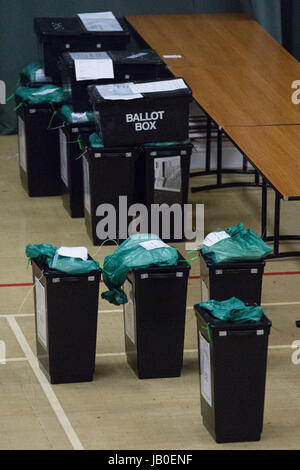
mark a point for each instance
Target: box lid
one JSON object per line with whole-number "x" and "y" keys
{"x": 138, "y": 90}
{"x": 71, "y": 27}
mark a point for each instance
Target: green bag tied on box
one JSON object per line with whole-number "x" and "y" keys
{"x": 74, "y": 118}
{"x": 234, "y": 244}
{"x": 138, "y": 251}
{"x": 71, "y": 265}
{"x": 35, "y": 73}
{"x": 233, "y": 310}
{"x": 41, "y": 95}
{"x": 95, "y": 140}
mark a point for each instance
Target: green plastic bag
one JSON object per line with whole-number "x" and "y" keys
{"x": 73, "y": 118}
{"x": 233, "y": 310}
{"x": 35, "y": 73}
{"x": 44, "y": 94}
{"x": 234, "y": 244}
{"x": 138, "y": 251}
{"x": 48, "y": 253}
{"x": 95, "y": 140}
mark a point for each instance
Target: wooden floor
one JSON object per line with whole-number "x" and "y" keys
{"x": 116, "y": 410}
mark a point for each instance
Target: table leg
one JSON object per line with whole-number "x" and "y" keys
{"x": 208, "y": 144}
{"x": 219, "y": 157}
{"x": 276, "y": 223}
{"x": 264, "y": 210}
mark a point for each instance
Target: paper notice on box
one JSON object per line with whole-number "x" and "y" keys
{"x": 22, "y": 144}
{"x": 167, "y": 174}
{"x": 86, "y": 185}
{"x": 152, "y": 244}
{"x": 92, "y": 65}
{"x": 41, "y": 320}
{"x": 215, "y": 237}
{"x": 159, "y": 86}
{"x": 73, "y": 252}
{"x": 100, "y": 21}
{"x": 63, "y": 157}
{"x": 205, "y": 369}
{"x": 118, "y": 91}
{"x": 136, "y": 56}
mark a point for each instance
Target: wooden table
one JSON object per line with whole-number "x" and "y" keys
{"x": 241, "y": 77}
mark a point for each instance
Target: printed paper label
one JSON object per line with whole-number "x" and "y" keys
{"x": 152, "y": 244}
{"x": 92, "y": 65}
{"x": 41, "y": 318}
{"x": 159, "y": 86}
{"x": 101, "y": 21}
{"x": 63, "y": 157}
{"x": 205, "y": 371}
{"x": 167, "y": 174}
{"x": 204, "y": 292}
{"x": 129, "y": 323}
{"x": 215, "y": 237}
{"x": 22, "y": 144}
{"x": 118, "y": 91}
{"x": 86, "y": 185}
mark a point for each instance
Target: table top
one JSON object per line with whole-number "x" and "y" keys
{"x": 274, "y": 151}
{"x": 242, "y": 78}
{"x": 238, "y": 73}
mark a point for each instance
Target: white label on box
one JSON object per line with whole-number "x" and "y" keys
{"x": 92, "y": 65}
{"x": 101, "y": 21}
{"x": 135, "y": 56}
{"x": 41, "y": 317}
{"x": 167, "y": 174}
{"x": 118, "y": 91}
{"x": 204, "y": 292}
{"x": 152, "y": 244}
{"x": 86, "y": 185}
{"x": 41, "y": 77}
{"x": 205, "y": 370}
{"x": 129, "y": 313}
{"x": 73, "y": 252}
{"x": 215, "y": 237}
{"x": 22, "y": 144}
{"x": 63, "y": 157}
{"x": 159, "y": 86}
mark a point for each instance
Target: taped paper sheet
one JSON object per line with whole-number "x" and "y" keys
{"x": 152, "y": 244}
{"x": 167, "y": 174}
{"x": 100, "y": 21}
{"x": 41, "y": 320}
{"x": 74, "y": 252}
{"x": 63, "y": 158}
{"x": 215, "y": 237}
{"x": 118, "y": 91}
{"x": 92, "y": 65}
{"x": 205, "y": 370}
{"x": 22, "y": 144}
{"x": 159, "y": 86}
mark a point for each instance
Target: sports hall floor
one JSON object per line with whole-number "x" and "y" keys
{"x": 117, "y": 410}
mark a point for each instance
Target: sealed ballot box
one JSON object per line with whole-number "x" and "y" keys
{"x": 84, "y": 32}
{"x": 81, "y": 69}
{"x": 72, "y": 129}
{"x": 139, "y": 112}
{"x": 108, "y": 180}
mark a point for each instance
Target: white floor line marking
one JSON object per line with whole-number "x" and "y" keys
{"x": 191, "y": 307}
{"x": 16, "y": 359}
{"x": 279, "y": 303}
{"x": 17, "y": 315}
{"x": 56, "y": 406}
